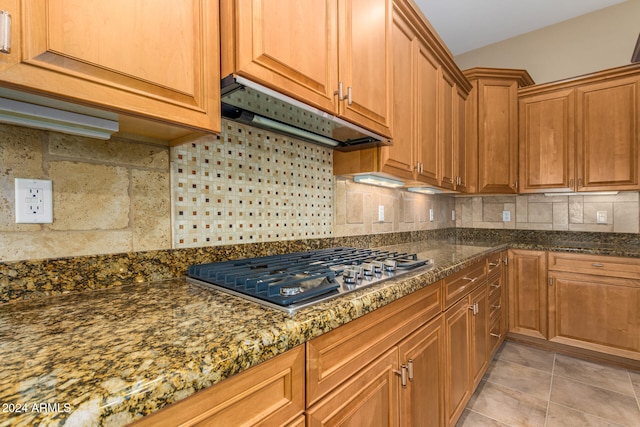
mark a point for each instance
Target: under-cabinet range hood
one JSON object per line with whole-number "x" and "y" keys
{"x": 255, "y": 105}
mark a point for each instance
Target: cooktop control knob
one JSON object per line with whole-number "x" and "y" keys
{"x": 350, "y": 276}
{"x": 367, "y": 269}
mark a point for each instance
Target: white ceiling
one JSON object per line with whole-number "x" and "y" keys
{"x": 466, "y": 25}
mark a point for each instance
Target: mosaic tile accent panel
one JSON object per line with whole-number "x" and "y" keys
{"x": 249, "y": 185}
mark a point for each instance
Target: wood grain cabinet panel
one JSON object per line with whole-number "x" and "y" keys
{"x": 457, "y": 360}
{"x": 581, "y": 134}
{"x": 268, "y": 394}
{"x": 528, "y": 293}
{"x": 492, "y": 129}
{"x": 74, "y": 50}
{"x": 308, "y": 49}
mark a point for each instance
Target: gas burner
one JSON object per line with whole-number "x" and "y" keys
{"x": 292, "y": 281}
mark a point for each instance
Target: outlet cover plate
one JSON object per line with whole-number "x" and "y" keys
{"x": 506, "y": 216}
{"x": 34, "y": 201}
{"x": 381, "y": 213}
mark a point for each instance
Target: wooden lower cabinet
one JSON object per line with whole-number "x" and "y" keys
{"x": 594, "y": 303}
{"x": 422, "y": 400}
{"x": 466, "y": 349}
{"x": 528, "y": 293}
{"x": 269, "y": 394}
{"x": 369, "y": 398}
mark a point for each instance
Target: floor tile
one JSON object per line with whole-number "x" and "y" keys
{"x": 595, "y": 374}
{"x": 473, "y": 419}
{"x": 527, "y": 356}
{"x": 508, "y": 406}
{"x": 561, "y": 416}
{"x": 635, "y": 380}
{"x": 519, "y": 377}
{"x": 596, "y": 401}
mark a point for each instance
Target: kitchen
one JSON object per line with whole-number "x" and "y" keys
{"x": 95, "y": 217}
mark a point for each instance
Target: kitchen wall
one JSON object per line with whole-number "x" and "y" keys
{"x": 108, "y": 196}
{"x": 540, "y": 212}
{"x": 592, "y": 42}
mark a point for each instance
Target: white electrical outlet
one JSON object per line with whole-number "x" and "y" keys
{"x": 453, "y": 215}
{"x": 381, "y": 213}
{"x": 34, "y": 201}
{"x": 601, "y": 217}
{"x": 506, "y": 216}
{"x": 430, "y": 214}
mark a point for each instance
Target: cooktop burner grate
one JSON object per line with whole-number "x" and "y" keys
{"x": 291, "y": 281}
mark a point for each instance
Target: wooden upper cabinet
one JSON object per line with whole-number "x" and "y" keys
{"x": 582, "y": 134}
{"x": 608, "y": 132}
{"x": 492, "y": 128}
{"x": 461, "y": 163}
{"x": 155, "y": 60}
{"x": 309, "y": 49}
{"x": 447, "y": 122}
{"x": 547, "y": 148}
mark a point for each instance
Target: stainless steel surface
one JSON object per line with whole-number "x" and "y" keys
{"x": 256, "y": 105}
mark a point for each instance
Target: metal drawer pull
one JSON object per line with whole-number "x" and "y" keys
{"x": 403, "y": 375}
{"x": 470, "y": 279}
{"x": 597, "y": 264}
{"x": 496, "y": 306}
{"x": 495, "y": 285}
{"x": 5, "y": 32}
{"x": 496, "y": 335}
{"x": 494, "y": 264}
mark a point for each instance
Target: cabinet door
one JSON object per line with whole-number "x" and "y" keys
{"x": 370, "y": 398}
{"x": 426, "y": 115}
{"x": 399, "y": 158}
{"x": 608, "y": 116}
{"x": 547, "y": 142}
{"x": 150, "y": 59}
{"x": 290, "y": 45}
{"x": 422, "y": 401}
{"x": 460, "y": 141}
{"x": 595, "y": 312}
{"x": 528, "y": 293}
{"x": 447, "y": 122}
{"x": 457, "y": 360}
{"x": 364, "y": 42}
{"x": 497, "y": 136}
{"x": 479, "y": 334}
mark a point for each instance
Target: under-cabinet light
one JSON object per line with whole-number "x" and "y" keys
{"x": 584, "y": 193}
{"x": 378, "y": 180}
{"x": 424, "y": 190}
{"x": 264, "y": 122}
{"x": 40, "y": 117}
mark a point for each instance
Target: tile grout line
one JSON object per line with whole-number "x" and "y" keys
{"x": 553, "y": 369}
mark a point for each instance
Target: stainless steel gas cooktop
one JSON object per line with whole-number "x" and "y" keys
{"x": 292, "y": 281}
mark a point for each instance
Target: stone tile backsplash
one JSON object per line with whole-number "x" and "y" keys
{"x": 560, "y": 213}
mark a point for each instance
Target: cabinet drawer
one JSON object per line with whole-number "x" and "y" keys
{"x": 599, "y": 265}
{"x": 494, "y": 264}
{"x": 461, "y": 283}
{"x": 495, "y": 335}
{"x": 334, "y": 357}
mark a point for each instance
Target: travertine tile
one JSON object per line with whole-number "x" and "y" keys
{"x": 626, "y": 217}
{"x": 115, "y": 150}
{"x": 477, "y": 204}
{"x": 474, "y": 419}
{"x": 89, "y": 197}
{"x": 561, "y": 216}
{"x": 508, "y": 406}
{"x": 619, "y": 408}
{"x": 355, "y": 208}
{"x": 576, "y": 209}
{"x": 522, "y": 209}
{"x": 562, "y": 416}
{"x": 527, "y": 356}
{"x": 519, "y": 377}
{"x": 590, "y": 210}
{"x": 492, "y": 212}
{"x": 534, "y": 226}
{"x": 595, "y": 374}
{"x": 540, "y": 213}
{"x": 151, "y": 210}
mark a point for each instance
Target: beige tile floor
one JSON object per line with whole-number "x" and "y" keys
{"x": 526, "y": 386}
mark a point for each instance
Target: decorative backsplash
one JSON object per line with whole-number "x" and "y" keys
{"x": 250, "y": 185}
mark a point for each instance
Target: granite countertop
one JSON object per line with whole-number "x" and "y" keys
{"x": 111, "y": 356}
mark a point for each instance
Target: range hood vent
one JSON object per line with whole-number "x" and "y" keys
{"x": 255, "y": 105}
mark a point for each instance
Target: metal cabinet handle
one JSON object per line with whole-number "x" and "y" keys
{"x": 5, "y": 31}
{"x": 470, "y": 279}
{"x": 402, "y": 373}
{"x": 579, "y": 182}
{"x": 550, "y": 281}
{"x": 475, "y": 308}
{"x": 496, "y": 285}
{"x": 571, "y": 182}
{"x": 410, "y": 368}
{"x": 494, "y": 264}
{"x": 349, "y": 96}
{"x": 340, "y": 92}
{"x": 496, "y": 306}
{"x": 496, "y": 335}
{"x": 597, "y": 264}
